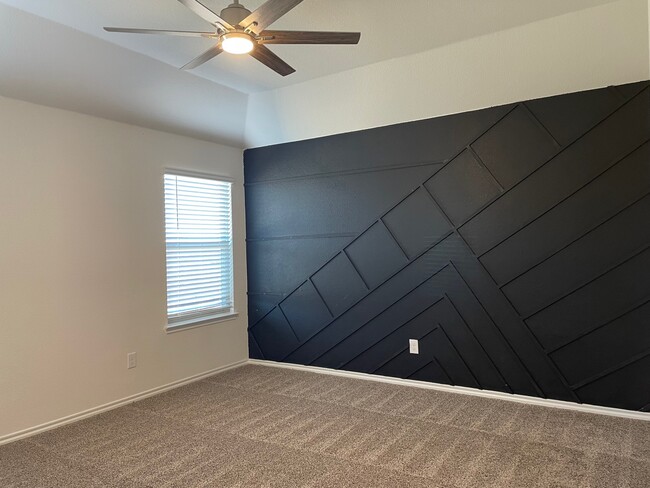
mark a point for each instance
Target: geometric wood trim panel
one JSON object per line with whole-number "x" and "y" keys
{"x": 518, "y": 251}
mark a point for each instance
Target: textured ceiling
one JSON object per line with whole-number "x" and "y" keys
{"x": 390, "y": 29}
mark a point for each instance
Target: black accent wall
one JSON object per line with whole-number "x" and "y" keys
{"x": 513, "y": 242}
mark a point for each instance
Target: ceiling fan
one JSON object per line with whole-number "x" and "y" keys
{"x": 240, "y": 31}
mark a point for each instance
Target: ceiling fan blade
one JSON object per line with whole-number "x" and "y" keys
{"x": 268, "y": 13}
{"x": 265, "y": 56}
{"x": 163, "y": 32}
{"x": 205, "y": 13}
{"x": 302, "y": 37}
{"x": 206, "y": 56}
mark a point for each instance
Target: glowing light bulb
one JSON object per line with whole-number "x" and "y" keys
{"x": 237, "y": 43}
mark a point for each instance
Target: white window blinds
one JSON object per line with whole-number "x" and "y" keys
{"x": 198, "y": 228}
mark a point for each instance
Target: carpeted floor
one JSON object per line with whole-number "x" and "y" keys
{"x": 263, "y": 426}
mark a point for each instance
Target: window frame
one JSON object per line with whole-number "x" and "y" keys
{"x": 201, "y": 321}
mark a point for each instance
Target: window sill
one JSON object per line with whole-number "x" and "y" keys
{"x": 202, "y": 322}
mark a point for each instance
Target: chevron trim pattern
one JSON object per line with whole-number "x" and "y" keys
{"x": 513, "y": 242}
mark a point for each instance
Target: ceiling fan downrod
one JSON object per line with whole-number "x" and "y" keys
{"x": 235, "y": 13}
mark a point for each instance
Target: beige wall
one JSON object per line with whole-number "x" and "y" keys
{"x": 82, "y": 263}
{"x": 587, "y": 49}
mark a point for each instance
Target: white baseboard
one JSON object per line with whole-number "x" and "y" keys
{"x": 116, "y": 404}
{"x": 542, "y": 402}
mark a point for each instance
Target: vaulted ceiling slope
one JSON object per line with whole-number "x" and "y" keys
{"x": 390, "y": 29}
{"x": 50, "y": 64}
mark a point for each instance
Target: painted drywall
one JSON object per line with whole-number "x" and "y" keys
{"x": 82, "y": 263}
{"x": 592, "y": 48}
{"x": 511, "y": 241}
{"x": 65, "y": 68}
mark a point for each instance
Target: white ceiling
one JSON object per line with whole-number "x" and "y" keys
{"x": 390, "y": 29}
{"x": 49, "y": 64}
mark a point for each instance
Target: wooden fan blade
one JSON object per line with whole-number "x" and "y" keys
{"x": 268, "y": 13}
{"x": 205, "y": 13}
{"x": 302, "y": 37}
{"x": 206, "y": 56}
{"x": 163, "y": 32}
{"x": 265, "y": 56}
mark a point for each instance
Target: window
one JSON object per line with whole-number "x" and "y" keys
{"x": 198, "y": 236}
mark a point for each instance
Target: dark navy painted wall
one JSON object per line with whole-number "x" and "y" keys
{"x": 513, "y": 242}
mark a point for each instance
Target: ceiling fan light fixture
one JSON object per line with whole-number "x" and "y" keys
{"x": 237, "y": 43}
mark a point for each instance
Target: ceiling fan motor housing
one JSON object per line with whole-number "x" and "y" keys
{"x": 235, "y": 13}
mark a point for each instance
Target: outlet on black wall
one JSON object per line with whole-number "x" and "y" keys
{"x": 512, "y": 242}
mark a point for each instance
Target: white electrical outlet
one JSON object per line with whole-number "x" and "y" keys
{"x": 131, "y": 360}
{"x": 414, "y": 346}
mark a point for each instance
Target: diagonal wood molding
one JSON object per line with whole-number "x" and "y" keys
{"x": 522, "y": 262}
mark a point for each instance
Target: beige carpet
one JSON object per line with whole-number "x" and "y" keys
{"x": 262, "y": 426}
